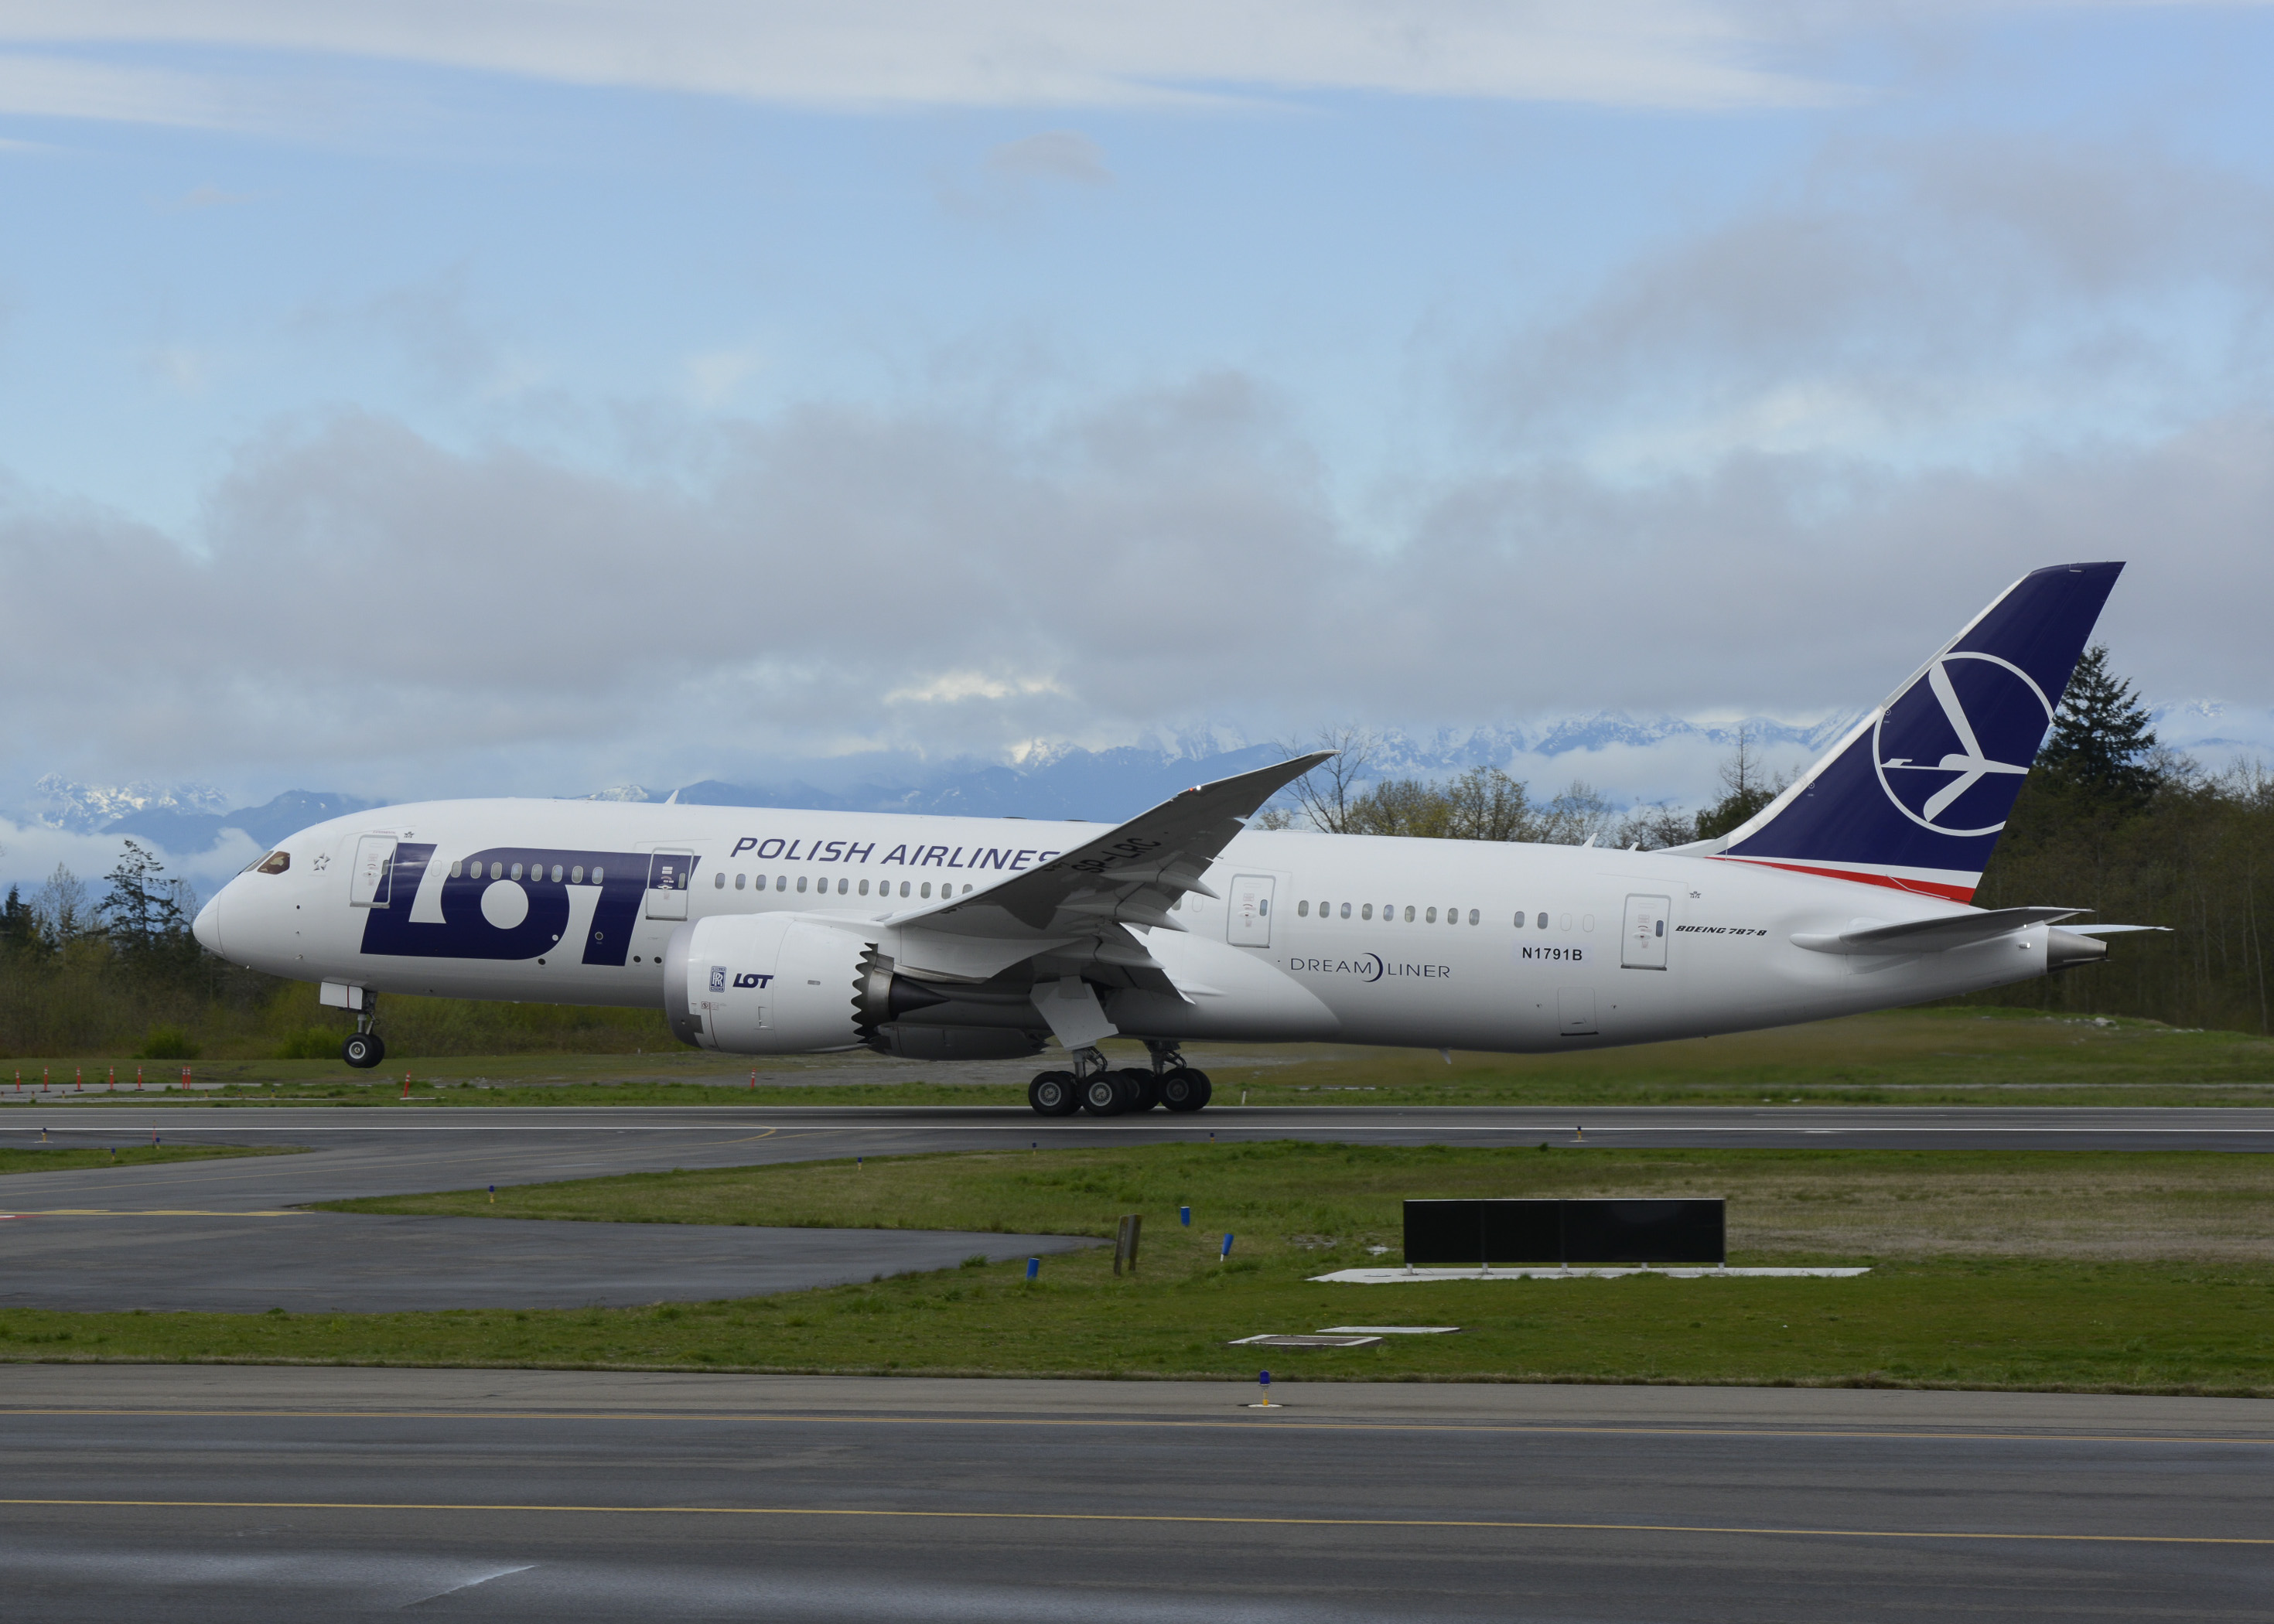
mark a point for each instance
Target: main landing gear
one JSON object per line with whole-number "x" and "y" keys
{"x": 364, "y": 1048}
{"x": 1097, "y": 1088}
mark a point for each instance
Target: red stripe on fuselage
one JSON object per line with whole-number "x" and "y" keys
{"x": 1924, "y": 888}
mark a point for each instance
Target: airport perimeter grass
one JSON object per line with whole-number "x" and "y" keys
{"x": 65, "y": 1159}
{"x": 1959, "y": 1056}
{"x": 2047, "y": 1270}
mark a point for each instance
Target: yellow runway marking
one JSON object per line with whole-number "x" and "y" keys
{"x": 716, "y": 1418}
{"x": 1151, "y": 1518}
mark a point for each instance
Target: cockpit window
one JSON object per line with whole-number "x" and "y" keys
{"x": 275, "y": 862}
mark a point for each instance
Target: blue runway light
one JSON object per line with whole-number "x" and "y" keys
{"x": 1033, "y": 1267}
{"x": 1227, "y": 1247}
{"x": 1184, "y": 1216}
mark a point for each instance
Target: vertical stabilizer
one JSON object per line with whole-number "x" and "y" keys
{"x": 1916, "y": 794}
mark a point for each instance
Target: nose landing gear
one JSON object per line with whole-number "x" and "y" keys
{"x": 364, "y": 1047}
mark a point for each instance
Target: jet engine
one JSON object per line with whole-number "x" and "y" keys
{"x": 795, "y": 984}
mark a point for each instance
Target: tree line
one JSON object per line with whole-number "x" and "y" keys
{"x": 2109, "y": 820}
{"x": 119, "y": 976}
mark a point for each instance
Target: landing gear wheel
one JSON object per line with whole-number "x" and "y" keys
{"x": 1052, "y": 1094}
{"x": 1185, "y": 1089}
{"x": 363, "y": 1051}
{"x": 1144, "y": 1088}
{"x": 1106, "y": 1093}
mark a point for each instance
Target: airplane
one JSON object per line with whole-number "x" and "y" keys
{"x": 783, "y": 932}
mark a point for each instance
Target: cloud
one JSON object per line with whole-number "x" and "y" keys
{"x": 1054, "y": 155}
{"x": 29, "y": 852}
{"x": 1923, "y": 302}
{"x": 977, "y": 53}
{"x": 384, "y": 613}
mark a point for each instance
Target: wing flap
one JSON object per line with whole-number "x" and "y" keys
{"x": 1133, "y": 875}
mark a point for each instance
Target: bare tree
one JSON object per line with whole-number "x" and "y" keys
{"x": 1328, "y": 794}
{"x": 1485, "y": 804}
{"x": 61, "y": 907}
{"x": 1574, "y": 817}
{"x": 1655, "y": 827}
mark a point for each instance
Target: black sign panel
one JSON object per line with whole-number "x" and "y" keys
{"x": 1575, "y": 1232}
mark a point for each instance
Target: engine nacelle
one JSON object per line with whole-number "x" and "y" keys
{"x": 767, "y": 984}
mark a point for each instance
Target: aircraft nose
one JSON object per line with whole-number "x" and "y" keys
{"x": 206, "y": 926}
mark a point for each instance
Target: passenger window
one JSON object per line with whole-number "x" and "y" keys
{"x": 741, "y": 881}
{"x": 599, "y": 875}
{"x": 865, "y": 888}
{"x": 1409, "y": 913}
{"x": 516, "y": 871}
{"x": 1302, "y": 910}
{"x": 1345, "y": 910}
{"x": 927, "y": 888}
{"x": 576, "y": 875}
{"x": 801, "y": 882}
{"x": 556, "y": 873}
{"x": 458, "y": 869}
{"x": 1431, "y": 920}
{"x": 1367, "y": 912}
{"x": 1473, "y": 916}
{"x": 719, "y": 879}
{"x": 497, "y": 870}
{"x": 781, "y": 882}
{"x": 1543, "y": 921}
{"x": 843, "y": 885}
{"x": 904, "y": 888}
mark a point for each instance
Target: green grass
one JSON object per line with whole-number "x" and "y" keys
{"x": 63, "y": 1159}
{"x": 2097, "y": 1271}
{"x": 1934, "y": 1056}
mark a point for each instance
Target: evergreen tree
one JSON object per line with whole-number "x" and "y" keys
{"x": 142, "y": 908}
{"x": 2102, "y": 745}
{"x": 19, "y": 928}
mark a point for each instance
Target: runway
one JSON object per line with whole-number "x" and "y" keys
{"x": 212, "y": 1492}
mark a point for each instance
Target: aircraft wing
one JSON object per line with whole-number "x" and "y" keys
{"x": 1130, "y": 875}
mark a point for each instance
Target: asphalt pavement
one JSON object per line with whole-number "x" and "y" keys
{"x": 221, "y": 1492}
{"x": 227, "y": 1234}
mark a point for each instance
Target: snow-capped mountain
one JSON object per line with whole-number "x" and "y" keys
{"x": 1629, "y": 760}
{"x": 83, "y": 809}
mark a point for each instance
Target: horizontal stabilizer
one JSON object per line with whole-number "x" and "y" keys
{"x": 1933, "y": 935}
{"x": 2113, "y": 930}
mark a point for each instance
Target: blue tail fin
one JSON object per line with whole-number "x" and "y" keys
{"x": 1916, "y": 794}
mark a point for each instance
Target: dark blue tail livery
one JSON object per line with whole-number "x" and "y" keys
{"x": 1915, "y": 796}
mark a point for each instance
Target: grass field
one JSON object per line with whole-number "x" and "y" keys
{"x": 2043, "y": 1270}
{"x": 61, "y": 1159}
{"x": 1936, "y": 1056}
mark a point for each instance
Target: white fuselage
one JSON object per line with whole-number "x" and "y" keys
{"x": 1343, "y": 939}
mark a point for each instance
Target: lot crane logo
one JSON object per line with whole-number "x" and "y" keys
{"x": 1951, "y": 749}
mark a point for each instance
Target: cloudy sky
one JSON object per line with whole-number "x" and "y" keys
{"x": 444, "y": 397}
